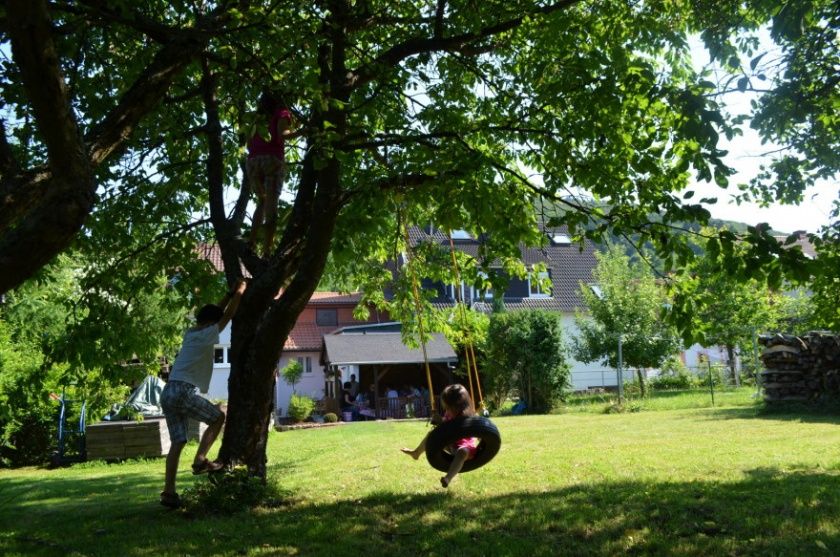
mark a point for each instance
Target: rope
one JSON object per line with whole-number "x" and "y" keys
{"x": 472, "y": 363}
{"x": 419, "y": 309}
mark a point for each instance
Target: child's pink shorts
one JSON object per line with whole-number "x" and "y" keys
{"x": 469, "y": 443}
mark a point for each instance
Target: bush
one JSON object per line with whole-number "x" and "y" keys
{"x": 673, "y": 382}
{"x": 718, "y": 372}
{"x": 673, "y": 375}
{"x": 330, "y": 418}
{"x": 228, "y": 493}
{"x": 525, "y": 352}
{"x": 28, "y": 418}
{"x": 300, "y": 407}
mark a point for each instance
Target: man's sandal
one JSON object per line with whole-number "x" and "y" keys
{"x": 170, "y": 500}
{"x": 206, "y": 466}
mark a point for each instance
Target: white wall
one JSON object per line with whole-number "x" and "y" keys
{"x": 584, "y": 376}
{"x": 311, "y": 382}
{"x": 593, "y": 374}
{"x": 715, "y": 355}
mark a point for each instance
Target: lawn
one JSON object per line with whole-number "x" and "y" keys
{"x": 728, "y": 480}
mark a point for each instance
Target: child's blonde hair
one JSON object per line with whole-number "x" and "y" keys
{"x": 457, "y": 400}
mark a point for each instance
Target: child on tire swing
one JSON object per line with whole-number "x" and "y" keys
{"x": 456, "y": 403}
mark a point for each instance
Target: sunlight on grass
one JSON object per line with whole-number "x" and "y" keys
{"x": 729, "y": 480}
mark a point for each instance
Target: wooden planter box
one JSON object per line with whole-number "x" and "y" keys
{"x": 195, "y": 430}
{"x": 127, "y": 439}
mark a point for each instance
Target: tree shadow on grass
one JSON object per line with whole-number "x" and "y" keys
{"x": 768, "y": 513}
{"x": 822, "y": 412}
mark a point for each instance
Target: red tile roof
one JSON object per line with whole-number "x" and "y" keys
{"x": 352, "y": 298}
{"x": 307, "y": 337}
{"x": 213, "y": 254}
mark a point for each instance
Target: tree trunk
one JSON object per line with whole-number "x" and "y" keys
{"x": 263, "y": 323}
{"x": 733, "y": 369}
{"x": 642, "y": 381}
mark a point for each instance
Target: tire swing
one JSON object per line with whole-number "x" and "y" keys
{"x": 447, "y": 433}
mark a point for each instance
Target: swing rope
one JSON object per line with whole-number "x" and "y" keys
{"x": 419, "y": 309}
{"x": 469, "y": 351}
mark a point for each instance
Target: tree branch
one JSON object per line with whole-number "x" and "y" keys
{"x": 418, "y": 45}
{"x": 145, "y": 93}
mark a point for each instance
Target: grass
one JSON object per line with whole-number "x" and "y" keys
{"x": 665, "y": 400}
{"x": 729, "y": 480}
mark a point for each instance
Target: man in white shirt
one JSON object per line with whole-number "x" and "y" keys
{"x": 180, "y": 399}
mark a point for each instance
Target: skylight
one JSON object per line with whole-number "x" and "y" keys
{"x": 461, "y": 235}
{"x": 560, "y": 239}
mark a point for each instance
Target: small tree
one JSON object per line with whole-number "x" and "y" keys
{"x": 628, "y": 304}
{"x": 292, "y": 373}
{"x": 727, "y": 309}
{"x": 525, "y": 350}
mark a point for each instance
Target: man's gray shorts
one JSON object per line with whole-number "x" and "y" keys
{"x": 181, "y": 401}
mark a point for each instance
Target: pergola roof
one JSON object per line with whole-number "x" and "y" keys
{"x": 383, "y": 348}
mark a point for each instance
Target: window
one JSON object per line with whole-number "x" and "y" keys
{"x": 484, "y": 294}
{"x": 535, "y": 290}
{"x": 451, "y": 291}
{"x": 461, "y": 235}
{"x": 560, "y": 239}
{"x": 326, "y": 317}
{"x": 221, "y": 355}
{"x": 306, "y": 363}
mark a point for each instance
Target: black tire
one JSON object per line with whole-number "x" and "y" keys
{"x": 449, "y": 432}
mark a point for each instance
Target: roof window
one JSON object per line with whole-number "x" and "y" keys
{"x": 560, "y": 239}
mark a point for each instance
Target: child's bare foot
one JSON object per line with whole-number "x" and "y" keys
{"x": 414, "y": 454}
{"x": 444, "y": 482}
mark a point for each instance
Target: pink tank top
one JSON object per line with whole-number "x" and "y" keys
{"x": 276, "y": 146}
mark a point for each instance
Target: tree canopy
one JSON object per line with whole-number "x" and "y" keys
{"x": 127, "y": 121}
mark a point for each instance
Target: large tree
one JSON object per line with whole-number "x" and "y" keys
{"x": 410, "y": 111}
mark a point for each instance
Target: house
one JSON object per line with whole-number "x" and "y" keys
{"x": 381, "y": 362}
{"x": 325, "y": 313}
{"x": 568, "y": 265}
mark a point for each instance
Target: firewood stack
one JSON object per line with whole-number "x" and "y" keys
{"x": 800, "y": 368}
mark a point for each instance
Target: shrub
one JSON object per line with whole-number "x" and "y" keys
{"x": 228, "y": 493}
{"x": 330, "y": 418}
{"x": 718, "y": 373}
{"x": 28, "y": 418}
{"x": 300, "y": 407}
{"x": 525, "y": 352}
{"x": 673, "y": 382}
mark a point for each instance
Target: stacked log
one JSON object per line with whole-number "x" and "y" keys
{"x": 800, "y": 367}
